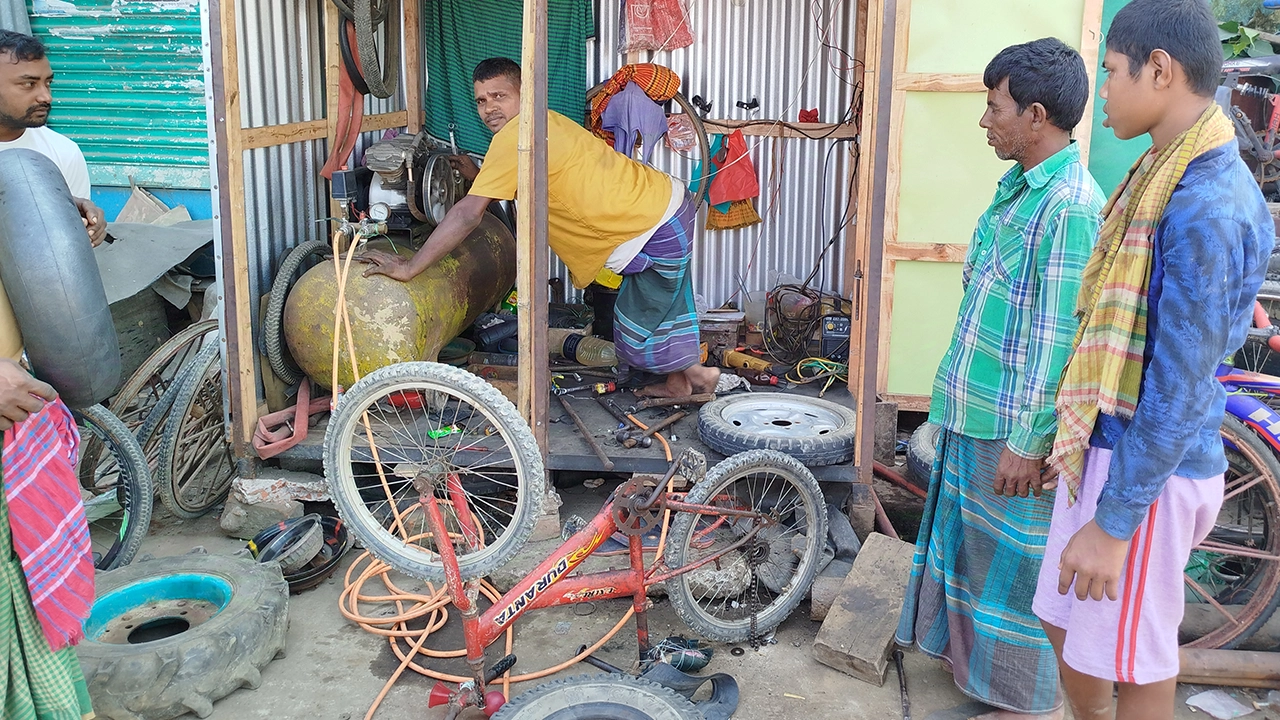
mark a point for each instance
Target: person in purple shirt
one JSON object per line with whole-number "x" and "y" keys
{"x": 1167, "y": 296}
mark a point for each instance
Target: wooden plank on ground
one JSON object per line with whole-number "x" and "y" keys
{"x": 857, "y": 636}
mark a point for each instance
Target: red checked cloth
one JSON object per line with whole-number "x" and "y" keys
{"x": 46, "y": 517}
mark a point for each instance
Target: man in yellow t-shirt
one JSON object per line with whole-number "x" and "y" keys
{"x": 605, "y": 210}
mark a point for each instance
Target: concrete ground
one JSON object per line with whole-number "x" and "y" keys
{"x": 335, "y": 670}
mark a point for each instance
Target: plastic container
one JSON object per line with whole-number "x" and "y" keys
{"x": 590, "y": 351}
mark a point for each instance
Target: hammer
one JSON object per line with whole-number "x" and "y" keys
{"x": 666, "y": 422}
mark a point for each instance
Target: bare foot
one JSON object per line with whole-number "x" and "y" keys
{"x": 677, "y": 385}
{"x": 702, "y": 379}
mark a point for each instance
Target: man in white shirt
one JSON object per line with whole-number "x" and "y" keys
{"x": 25, "y": 101}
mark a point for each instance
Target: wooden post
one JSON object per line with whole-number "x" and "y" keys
{"x": 868, "y": 255}
{"x": 531, "y": 223}
{"x": 332, "y": 70}
{"x": 413, "y": 64}
{"x": 1090, "y": 45}
{"x": 237, "y": 321}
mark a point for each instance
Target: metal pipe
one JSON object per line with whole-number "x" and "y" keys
{"x": 586, "y": 434}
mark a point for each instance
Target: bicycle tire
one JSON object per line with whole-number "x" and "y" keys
{"x": 503, "y": 419}
{"x": 1263, "y": 584}
{"x": 683, "y": 528}
{"x": 586, "y": 697}
{"x": 699, "y": 130}
{"x": 199, "y": 396}
{"x": 366, "y": 22}
{"x": 278, "y": 357}
{"x": 133, "y": 489}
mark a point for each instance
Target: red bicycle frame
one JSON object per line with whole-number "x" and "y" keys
{"x": 549, "y": 584}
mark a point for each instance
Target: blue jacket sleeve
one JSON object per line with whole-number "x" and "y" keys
{"x": 1188, "y": 342}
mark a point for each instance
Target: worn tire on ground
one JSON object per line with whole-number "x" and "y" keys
{"x": 921, "y": 451}
{"x": 722, "y": 435}
{"x": 619, "y": 697}
{"x": 187, "y": 672}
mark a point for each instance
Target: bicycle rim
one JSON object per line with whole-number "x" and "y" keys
{"x": 770, "y": 574}
{"x": 455, "y": 435}
{"x": 1233, "y": 576}
{"x": 195, "y": 463}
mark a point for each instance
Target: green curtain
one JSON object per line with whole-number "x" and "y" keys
{"x": 461, "y": 33}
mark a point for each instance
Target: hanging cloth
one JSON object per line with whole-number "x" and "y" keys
{"x": 655, "y": 25}
{"x": 658, "y": 82}
{"x": 735, "y": 175}
{"x": 632, "y": 115}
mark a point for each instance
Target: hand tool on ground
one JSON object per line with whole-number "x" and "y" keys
{"x": 627, "y": 428}
{"x": 664, "y": 423}
{"x": 586, "y": 434}
{"x": 902, "y": 684}
{"x": 623, "y": 435}
{"x": 699, "y": 399}
{"x": 598, "y": 388}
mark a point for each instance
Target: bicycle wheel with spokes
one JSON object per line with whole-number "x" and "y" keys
{"x": 119, "y": 497}
{"x": 1257, "y": 355}
{"x": 751, "y": 588}
{"x": 148, "y": 384}
{"x": 1233, "y": 577}
{"x": 194, "y": 468}
{"x": 439, "y": 428}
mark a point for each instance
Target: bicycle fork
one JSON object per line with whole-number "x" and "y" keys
{"x": 466, "y": 598}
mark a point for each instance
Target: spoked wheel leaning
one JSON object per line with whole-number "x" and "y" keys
{"x": 448, "y": 432}
{"x": 195, "y": 468}
{"x": 148, "y": 384}
{"x": 753, "y": 588}
{"x": 1233, "y": 577}
{"x": 1257, "y": 354}
{"x": 118, "y": 489}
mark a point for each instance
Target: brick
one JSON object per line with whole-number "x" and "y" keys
{"x": 244, "y": 521}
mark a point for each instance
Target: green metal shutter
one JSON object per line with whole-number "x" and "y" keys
{"x": 129, "y": 87}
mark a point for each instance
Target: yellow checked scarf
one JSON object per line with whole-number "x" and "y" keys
{"x": 1105, "y": 372}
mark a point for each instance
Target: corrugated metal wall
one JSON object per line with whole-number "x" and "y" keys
{"x": 768, "y": 49}
{"x": 771, "y": 50}
{"x": 129, "y": 87}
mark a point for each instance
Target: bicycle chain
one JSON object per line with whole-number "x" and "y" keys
{"x": 754, "y": 637}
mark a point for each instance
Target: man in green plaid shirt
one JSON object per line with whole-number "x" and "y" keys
{"x": 987, "y": 516}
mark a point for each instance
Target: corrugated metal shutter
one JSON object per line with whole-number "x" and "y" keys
{"x": 129, "y": 87}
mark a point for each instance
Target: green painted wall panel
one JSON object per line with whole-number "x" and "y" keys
{"x": 1109, "y": 158}
{"x": 961, "y": 36}
{"x": 948, "y": 171}
{"x": 926, "y": 300}
{"x": 129, "y": 87}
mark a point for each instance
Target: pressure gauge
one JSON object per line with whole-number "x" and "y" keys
{"x": 379, "y": 212}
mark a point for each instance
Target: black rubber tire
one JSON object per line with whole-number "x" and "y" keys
{"x": 683, "y": 526}
{"x": 54, "y": 285}
{"x": 368, "y": 528}
{"x": 921, "y": 450}
{"x": 699, "y": 129}
{"x": 722, "y": 435}
{"x": 278, "y": 357}
{"x": 205, "y": 368}
{"x": 133, "y": 486}
{"x": 187, "y": 672}
{"x": 590, "y": 697}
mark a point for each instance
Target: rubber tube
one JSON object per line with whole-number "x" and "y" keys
{"x": 52, "y": 279}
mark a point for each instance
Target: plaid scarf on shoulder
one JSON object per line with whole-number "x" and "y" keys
{"x": 1105, "y": 372}
{"x": 47, "y": 520}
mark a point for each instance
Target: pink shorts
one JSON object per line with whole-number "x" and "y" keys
{"x": 1133, "y": 639}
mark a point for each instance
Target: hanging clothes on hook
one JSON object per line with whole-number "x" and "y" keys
{"x": 632, "y": 115}
{"x": 655, "y": 25}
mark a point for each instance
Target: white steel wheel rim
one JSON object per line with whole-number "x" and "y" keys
{"x": 782, "y": 418}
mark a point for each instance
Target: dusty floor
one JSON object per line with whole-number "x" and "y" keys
{"x": 334, "y": 670}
